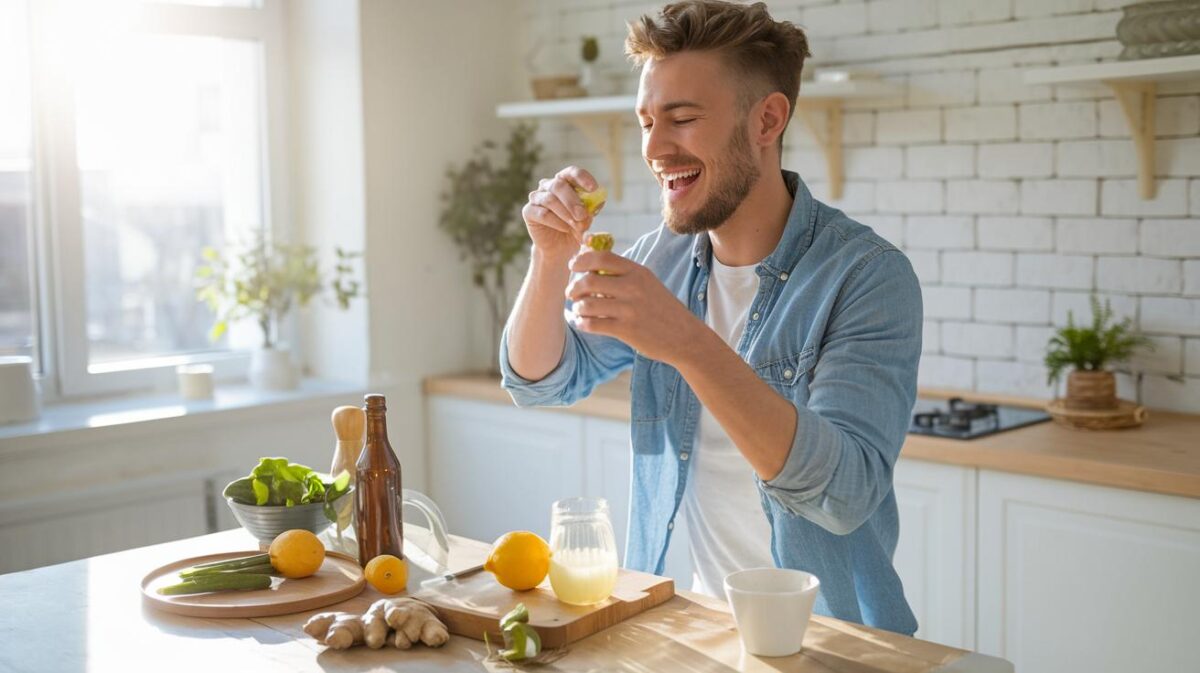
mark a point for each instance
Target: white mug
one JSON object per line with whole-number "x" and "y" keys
{"x": 18, "y": 394}
{"x": 771, "y": 607}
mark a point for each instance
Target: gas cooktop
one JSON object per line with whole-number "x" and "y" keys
{"x": 959, "y": 419}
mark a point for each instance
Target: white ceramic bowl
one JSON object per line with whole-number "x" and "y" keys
{"x": 771, "y": 607}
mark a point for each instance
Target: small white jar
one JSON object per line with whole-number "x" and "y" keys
{"x": 19, "y": 399}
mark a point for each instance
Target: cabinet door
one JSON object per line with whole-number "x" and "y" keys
{"x": 935, "y": 556}
{"x": 496, "y": 468}
{"x": 607, "y": 463}
{"x": 1074, "y": 577}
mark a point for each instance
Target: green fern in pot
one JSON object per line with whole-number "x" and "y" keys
{"x": 1086, "y": 351}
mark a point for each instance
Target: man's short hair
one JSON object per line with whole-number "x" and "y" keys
{"x": 766, "y": 54}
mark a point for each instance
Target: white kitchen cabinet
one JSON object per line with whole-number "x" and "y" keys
{"x": 935, "y": 556}
{"x": 64, "y": 526}
{"x": 496, "y": 468}
{"x": 1075, "y": 577}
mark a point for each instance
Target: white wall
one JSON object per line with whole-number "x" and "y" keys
{"x": 432, "y": 76}
{"x": 1013, "y": 202}
{"x": 328, "y": 195}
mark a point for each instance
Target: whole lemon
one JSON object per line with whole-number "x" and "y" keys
{"x": 387, "y": 573}
{"x": 296, "y": 553}
{"x": 519, "y": 560}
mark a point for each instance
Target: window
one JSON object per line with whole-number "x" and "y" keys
{"x": 153, "y": 139}
{"x": 17, "y": 315}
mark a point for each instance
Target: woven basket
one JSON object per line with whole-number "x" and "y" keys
{"x": 1125, "y": 415}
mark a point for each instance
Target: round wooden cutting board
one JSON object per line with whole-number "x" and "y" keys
{"x": 339, "y": 579}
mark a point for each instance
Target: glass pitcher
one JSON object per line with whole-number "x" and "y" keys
{"x": 583, "y": 551}
{"x": 426, "y": 544}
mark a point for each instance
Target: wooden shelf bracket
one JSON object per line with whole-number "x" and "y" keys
{"x": 823, "y": 118}
{"x": 605, "y": 134}
{"x": 1137, "y": 100}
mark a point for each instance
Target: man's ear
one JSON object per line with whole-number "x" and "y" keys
{"x": 771, "y": 115}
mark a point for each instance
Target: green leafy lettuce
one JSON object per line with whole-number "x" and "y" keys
{"x": 275, "y": 481}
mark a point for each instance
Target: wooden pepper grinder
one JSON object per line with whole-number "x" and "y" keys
{"x": 349, "y": 425}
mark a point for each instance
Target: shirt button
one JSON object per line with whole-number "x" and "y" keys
{"x": 754, "y": 316}
{"x": 683, "y": 456}
{"x": 671, "y": 525}
{"x": 783, "y": 276}
{"x": 700, "y": 296}
{"x": 787, "y": 373}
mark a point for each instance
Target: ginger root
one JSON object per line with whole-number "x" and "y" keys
{"x": 412, "y": 620}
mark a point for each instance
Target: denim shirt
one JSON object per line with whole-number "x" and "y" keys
{"x": 836, "y": 329}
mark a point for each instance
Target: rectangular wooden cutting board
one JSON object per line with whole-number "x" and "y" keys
{"x": 474, "y": 604}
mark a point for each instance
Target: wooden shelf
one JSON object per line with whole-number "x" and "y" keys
{"x": 1135, "y": 85}
{"x": 600, "y": 119}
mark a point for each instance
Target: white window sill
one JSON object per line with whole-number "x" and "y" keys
{"x": 168, "y": 412}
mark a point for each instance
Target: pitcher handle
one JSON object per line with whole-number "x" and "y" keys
{"x": 434, "y": 556}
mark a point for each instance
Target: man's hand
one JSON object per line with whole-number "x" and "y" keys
{"x": 555, "y": 215}
{"x": 630, "y": 303}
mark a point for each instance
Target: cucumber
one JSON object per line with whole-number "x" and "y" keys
{"x": 239, "y": 562}
{"x": 261, "y": 569}
{"x": 219, "y": 582}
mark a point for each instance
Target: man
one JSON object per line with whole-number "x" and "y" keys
{"x": 773, "y": 341}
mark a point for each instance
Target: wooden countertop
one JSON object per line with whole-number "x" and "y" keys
{"x": 1162, "y": 456}
{"x": 88, "y": 615}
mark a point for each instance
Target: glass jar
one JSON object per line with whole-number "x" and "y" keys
{"x": 583, "y": 551}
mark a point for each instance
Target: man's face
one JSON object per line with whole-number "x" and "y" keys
{"x": 694, "y": 139}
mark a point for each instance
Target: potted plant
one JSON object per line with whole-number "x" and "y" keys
{"x": 482, "y": 213}
{"x": 589, "y": 52}
{"x": 1087, "y": 351}
{"x": 264, "y": 281}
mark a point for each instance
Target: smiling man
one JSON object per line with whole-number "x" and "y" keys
{"x": 773, "y": 340}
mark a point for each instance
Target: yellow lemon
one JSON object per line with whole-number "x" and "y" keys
{"x": 388, "y": 574}
{"x": 593, "y": 199}
{"x": 296, "y": 553}
{"x": 519, "y": 560}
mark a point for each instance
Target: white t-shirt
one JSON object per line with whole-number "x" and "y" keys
{"x": 727, "y": 529}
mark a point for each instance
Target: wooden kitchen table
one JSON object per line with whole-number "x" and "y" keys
{"x": 88, "y": 615}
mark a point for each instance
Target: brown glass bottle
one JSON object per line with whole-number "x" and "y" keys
{"x": 378, "y": 519}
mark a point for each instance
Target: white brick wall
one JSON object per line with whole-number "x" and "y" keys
{"x": 1139, "y": 274}
{"x": 993, "y": 122}
{"x": 1058, "y": 120}
{"x": 977, "y": 268}
{"x": 1056, "y": 271}
{"x": 1058, "y": 197}
{"x": 940, "y": 161}
{"x": 1012, "y": 306}
{"x": 1171, "y": 238}
{"x": 1016, "y": 160}
{"x": 1014, "y": 203}
{"x": 939, "y": 232}
{"x": 1107, "y": 236}
{"x": 1016, "y": 233}
{"x": 977, "y": 339}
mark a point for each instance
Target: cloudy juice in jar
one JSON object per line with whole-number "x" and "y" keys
{"x": 583, "y": 576}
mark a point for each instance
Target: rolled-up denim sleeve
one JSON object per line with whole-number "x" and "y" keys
{"x": 849, "y": 434}
{"x": 587, "y": 361}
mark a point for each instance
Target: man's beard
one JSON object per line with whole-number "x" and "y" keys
{"x": 739, "y": 175}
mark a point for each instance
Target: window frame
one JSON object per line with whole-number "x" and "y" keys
{"x": 57, "y": 226}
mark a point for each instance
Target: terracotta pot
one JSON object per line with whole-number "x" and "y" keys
{"x": 1091, "y": 390}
